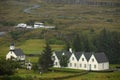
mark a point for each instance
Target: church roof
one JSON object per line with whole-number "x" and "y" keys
{"x": 18, "y": 52}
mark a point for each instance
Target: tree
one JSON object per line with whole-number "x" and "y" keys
{"x": 77, "y": 43}
{"x": 67, "y": 45}
{"x": 108, "y": 42}
{"x": 64, "y": 61}
{"x": 7, "y": 67}
{"x": 45, "y": 60}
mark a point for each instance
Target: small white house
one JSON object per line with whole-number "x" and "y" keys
{"x": 38, "y": 25}
{"x": 28, "y": 65}
{"x": 98, "y": 61}
{"x": 21, "y": 25}
{"x": 82, "y": 60}
{"x": 15, "y": 54}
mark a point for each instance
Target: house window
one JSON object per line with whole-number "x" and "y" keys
{"x": 73, "y": 58}
{"x": 92, "y": 60}
{"x": 70, "y": 64}
{"x": 82, "y": 59}
{"x": 85, "y": 65}
{"x": 80, "y": 65}
{"x": 94, "y": 66}
{"x": 75, "y": 64}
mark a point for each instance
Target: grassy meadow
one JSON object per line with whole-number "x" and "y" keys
{"x": 29, "y": 74}
{"x": 65, "y": 16}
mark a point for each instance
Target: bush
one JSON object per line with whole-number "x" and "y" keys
{"x": 12, "y": 78}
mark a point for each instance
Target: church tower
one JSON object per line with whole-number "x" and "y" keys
{"x": 12, "y": 47}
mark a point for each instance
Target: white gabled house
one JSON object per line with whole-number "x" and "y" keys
{"x": 56, "y": 57}
{"x": 38, "y": 25}
{"x": 15, "y": 54}
{"x": 21, "y": 25}
{"x": 72, "y": 62}
{"x": 98, "y": 61}
{"x": 82, "y": 60}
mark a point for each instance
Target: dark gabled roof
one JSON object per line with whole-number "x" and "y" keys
{"x": 18, "y": 52}
{"x": 78, "y": 55}
{"x": 59, "y": 54}
{"x": 100, "y": 57}
{"x": 87, "y": 55}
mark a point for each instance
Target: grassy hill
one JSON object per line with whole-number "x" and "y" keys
{"x": 36, "y": 46}
{"x": 32, "y": 46}
{"x": 64, "y": 16}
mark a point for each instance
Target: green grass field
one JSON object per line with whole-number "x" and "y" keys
{"x": 36, "y": 46}
{"x": 89, "y": 76}
{"x": 98, "y": 76}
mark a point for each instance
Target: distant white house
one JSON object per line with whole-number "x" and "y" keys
{"x": 82, "y": 60}
{"x": 21, "y": 25}
{"x": 35, "y": 26}
{"x": 15, "y": 54}
{"x": 28, "y": 65}
{"x": 38, "y": 25}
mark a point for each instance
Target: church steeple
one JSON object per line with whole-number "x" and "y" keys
{"x": 12, "y": 46}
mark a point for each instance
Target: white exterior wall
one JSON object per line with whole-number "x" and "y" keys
{"x": 21, "y": 57}
{"x": 93, "y": 65}
{"x": 10, "y": 54}
{"x": 56, "y": 61}
{"x": 103, "y": 66}
{"x": 83, "y": 64}
{"x": 73, "y": 62}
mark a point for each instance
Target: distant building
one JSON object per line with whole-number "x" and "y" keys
{"x": 15, "y": 54}
{"x": 21, "y": 25}
{"x": 82, "y": 60}
{"x": 38, "y": 25}
{"x": 28, "y": 65}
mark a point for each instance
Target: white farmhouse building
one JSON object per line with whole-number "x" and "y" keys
{"x": 38, "y": 25}
{"x": 15, "y": 54}
{"x": 82, "y": 60}
{"x": 21, "y": 25}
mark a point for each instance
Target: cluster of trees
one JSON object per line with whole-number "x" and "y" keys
{"x": 8, "y": 67}
{"x": 45, "y": 59}
{"x": 106, "y": 41}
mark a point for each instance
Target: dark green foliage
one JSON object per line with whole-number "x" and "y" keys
{"x": 77, "y": 44}
{"x": 67, "y": 45}
{"x": 7, "y": 67}
{"x": 108, "y": 42}
{"x": 45, "y": 60}
{"x": 64, "y": 61}
{"x": 15, "y": 34}
{"x": 13, "y": 78}
{"x": 35, "y": 67}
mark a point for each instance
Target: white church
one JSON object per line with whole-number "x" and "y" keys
{"x": 15, "y": 54}
{"x": 82, "y": 60}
